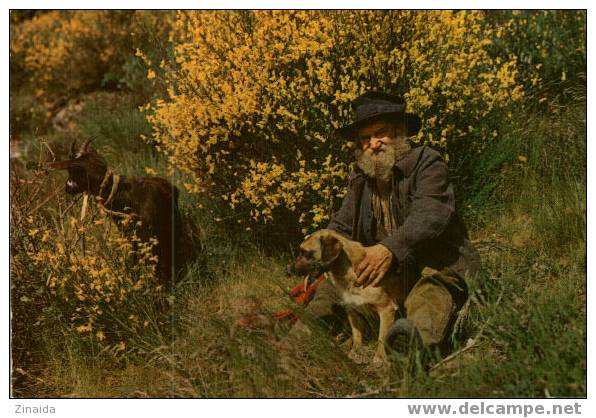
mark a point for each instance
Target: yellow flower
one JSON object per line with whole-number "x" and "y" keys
{"x": 85, "y": 328}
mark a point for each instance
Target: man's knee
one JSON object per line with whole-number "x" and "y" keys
{"x": 433, "y": 304}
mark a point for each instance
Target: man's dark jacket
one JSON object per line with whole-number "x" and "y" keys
{"x": 429, "y": 234}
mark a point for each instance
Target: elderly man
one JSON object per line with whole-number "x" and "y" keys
{"x": 400, "y": 204}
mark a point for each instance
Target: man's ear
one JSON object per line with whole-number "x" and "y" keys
{"x": 330, "y": 249}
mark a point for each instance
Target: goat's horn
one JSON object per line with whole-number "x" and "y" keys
{"x": 86, "y": 144}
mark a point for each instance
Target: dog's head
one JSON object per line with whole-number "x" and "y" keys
{"x": 317, "y": 253}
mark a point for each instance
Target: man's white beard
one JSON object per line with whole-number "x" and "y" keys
{"x": 379, "y": 165}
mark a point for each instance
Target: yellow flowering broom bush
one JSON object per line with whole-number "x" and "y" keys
{"x": 67, "y": 52}
{"x": 93, "y": 279}
{"x": 254, "y": 98}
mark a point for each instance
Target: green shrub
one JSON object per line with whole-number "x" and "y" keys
{"x": 549, "y": 45}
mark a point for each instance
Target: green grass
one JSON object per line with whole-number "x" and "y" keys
{"x": 525, "y": 320}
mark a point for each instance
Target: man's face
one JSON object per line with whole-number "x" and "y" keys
{"x": 375, "y": 149}
{"x": 377, "y": 137}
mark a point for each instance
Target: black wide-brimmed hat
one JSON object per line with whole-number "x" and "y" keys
{"x": 373, "y": 106}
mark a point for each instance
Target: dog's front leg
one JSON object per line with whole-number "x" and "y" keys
{"x": 386, "y": 318}
{"x": 356, "y": 325}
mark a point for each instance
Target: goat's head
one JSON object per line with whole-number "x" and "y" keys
{"x": 86, "y": 169}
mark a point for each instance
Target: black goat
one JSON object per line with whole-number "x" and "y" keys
{"x": 151, "y": 200}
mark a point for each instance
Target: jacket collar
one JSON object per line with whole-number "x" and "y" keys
{"x": 407, "y": 164}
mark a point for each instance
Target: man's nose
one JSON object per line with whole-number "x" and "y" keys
{"x": 375, "y": 143}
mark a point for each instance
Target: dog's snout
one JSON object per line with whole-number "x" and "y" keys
{"x": 299, "y": 268}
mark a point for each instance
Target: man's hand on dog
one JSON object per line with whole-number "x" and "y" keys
{"x": 373, "y": 267}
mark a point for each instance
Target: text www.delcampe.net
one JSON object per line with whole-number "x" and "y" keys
{"x": 486, "y": 408}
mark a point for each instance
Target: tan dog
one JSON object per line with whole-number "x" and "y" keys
{"x": 328, "y": 251}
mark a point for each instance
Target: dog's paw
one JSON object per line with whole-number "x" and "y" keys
{"x": 379, "y": 359}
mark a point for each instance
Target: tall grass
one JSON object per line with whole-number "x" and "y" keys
{"x": 537, "y": 168}
{"x": 554, "y": 181}
{"x": 530, "y": 303}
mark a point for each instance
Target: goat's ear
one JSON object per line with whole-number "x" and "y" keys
{"x": 62, "y": 165}
{"x": 73, "y": 149}
{"x": 330, "y": 249}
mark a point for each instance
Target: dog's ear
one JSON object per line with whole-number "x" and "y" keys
{"x": 330, "y": 249}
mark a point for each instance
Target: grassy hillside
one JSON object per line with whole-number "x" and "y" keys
{"x": 88, "y": 321}
{"x": 522, "y": 333}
